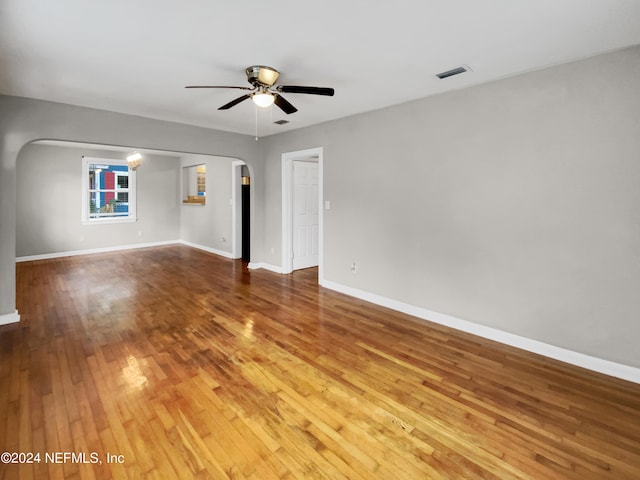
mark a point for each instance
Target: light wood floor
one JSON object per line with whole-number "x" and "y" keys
{"x": 181, "y": 364}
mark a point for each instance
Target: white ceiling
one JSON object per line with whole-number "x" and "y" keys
{"x": 136, "y": 56}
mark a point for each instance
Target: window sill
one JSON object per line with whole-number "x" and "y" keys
{"x": 108, "y": 221}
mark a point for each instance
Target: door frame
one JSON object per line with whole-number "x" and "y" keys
{"x": 236, "y": 208}
{"x": 310, "y": 154}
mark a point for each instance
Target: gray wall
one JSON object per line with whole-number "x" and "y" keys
{"x": 209, "y": 225}
{"x": 48, "y": 202}
{"x": 25, "y": 120}
{"x": 514, "y": 204}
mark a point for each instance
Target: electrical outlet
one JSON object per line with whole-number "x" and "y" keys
{"x": 353, "y": 267}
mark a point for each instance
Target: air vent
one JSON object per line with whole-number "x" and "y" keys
{"x": 281, "y": 122}
{"x": 452, "y": 72}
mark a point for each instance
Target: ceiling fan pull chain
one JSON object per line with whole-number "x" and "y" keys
{"x": 256, "y": 109}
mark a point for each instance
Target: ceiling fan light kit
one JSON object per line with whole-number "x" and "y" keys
{"x": 263, "y": 99}
{"x": 264, "y": 93}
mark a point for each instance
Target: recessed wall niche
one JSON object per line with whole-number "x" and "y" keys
{"x": 194, "y": 184}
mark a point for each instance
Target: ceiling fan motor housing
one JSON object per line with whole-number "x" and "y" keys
{"x": 262, "y": 75}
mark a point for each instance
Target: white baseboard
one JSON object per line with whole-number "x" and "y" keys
{"x": 8, "y": 318}
{"x": 595, "y": 364}
{"x": 266, "y": 266}
{"x": 222, "y": 253}
{"x": 47, "y": 256}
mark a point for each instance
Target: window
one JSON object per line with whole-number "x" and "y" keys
{"x": 108, "y": 191}
{"x": 194, "y": 184}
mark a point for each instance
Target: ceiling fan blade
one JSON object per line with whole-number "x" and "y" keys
{"x": 233, "y": 103}
{"x": 310, "y": 90}
{"x": 284, "y": 105}
{"x": 217, "y": 86}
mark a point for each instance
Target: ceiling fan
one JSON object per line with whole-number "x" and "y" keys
{"x": 264, "y": 93}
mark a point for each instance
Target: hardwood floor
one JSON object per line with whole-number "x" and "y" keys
{"x": 175, "y": 363}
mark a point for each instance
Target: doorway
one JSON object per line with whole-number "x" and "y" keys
{"x": 241, "y": 210}
{"x": 302, "y": 214}
{"x": 246, "y": 213}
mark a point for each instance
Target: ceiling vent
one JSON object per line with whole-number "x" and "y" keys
{"x": 281, "y": 122}
{"x": 453, "y": 71}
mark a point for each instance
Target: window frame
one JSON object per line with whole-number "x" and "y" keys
{"x": 86, "y": 193}
{"x": 127, "y": 190}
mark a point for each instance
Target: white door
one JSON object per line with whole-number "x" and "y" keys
{"x": 306, "y": 229}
